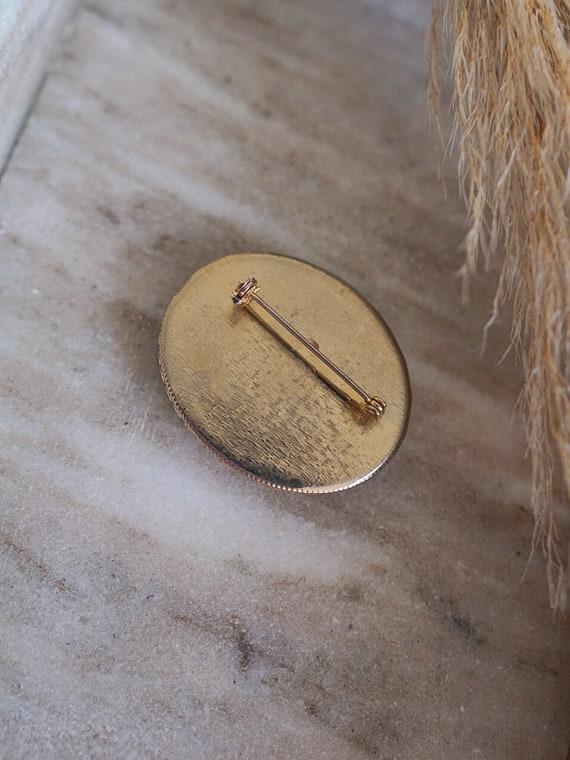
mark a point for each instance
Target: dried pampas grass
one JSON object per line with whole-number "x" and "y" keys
{"x": 511, "y": 103}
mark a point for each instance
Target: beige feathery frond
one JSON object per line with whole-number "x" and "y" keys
{"x": 511, "y": 103}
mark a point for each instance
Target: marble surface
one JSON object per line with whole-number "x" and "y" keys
{"x": 29, "y": 35}
{"x": 154, "y": 603}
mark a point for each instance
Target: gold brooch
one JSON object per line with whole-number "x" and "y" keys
{"x": 268, "y": 395}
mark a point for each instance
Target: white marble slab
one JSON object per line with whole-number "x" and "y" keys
{"x": 29, "y": 34}
{"x": 154, "y": 603}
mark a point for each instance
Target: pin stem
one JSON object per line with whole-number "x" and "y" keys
{"x": 247, "y": 291}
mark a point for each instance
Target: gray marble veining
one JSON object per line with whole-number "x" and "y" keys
{"x": 29, "y": 34}
{"x": 155, "y": 604}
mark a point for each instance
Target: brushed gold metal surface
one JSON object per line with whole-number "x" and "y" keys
{"x": 247, "y": 296}
{"x": 254, "y": 403}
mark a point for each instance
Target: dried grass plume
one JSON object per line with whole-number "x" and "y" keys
{"x": 511, "y": 103}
